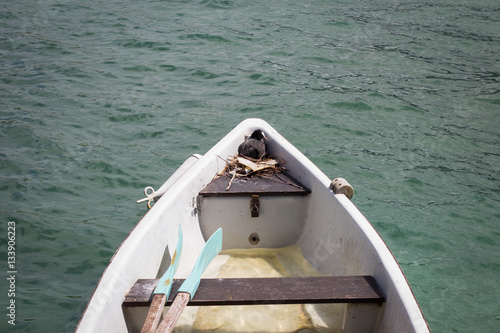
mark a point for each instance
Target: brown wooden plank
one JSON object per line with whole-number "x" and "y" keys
{"x": 280, "y": 184}
{"x": 288, "y": 290}
{"x": 141, "y": 291}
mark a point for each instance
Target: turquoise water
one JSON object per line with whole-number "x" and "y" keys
{"x": 102, "y": 98}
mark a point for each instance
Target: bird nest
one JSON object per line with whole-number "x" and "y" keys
{"x": 244, "y": 167}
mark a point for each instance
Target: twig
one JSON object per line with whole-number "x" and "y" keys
{"x": 234, "y": 168}
{"x": 231, "y": 181}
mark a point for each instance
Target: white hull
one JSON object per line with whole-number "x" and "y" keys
{"x": 332, "y": 234}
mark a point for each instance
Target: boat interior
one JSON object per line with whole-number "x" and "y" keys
{"x": 280, "y": 269}
{"x": 297, "y": 255}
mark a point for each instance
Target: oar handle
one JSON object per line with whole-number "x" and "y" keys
{"x": 154, "y": 314}
{"x": 180, "y": 302}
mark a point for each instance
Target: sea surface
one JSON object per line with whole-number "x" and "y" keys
{"x": 99, "y": 99}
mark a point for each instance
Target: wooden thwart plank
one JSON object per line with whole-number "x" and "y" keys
{"x": 287, "y": 290}
{"x": 279, "y": 184}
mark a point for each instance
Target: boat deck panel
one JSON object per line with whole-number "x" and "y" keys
{"x": 250, "y": 291}
{"x": 277, "y": 184}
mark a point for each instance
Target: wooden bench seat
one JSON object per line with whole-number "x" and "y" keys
{"x": 278, "y": 184}
{"x": 286, "y": 290}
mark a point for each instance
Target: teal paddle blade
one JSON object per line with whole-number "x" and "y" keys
{"x": 212, "y": 248}
{"x": 164, "y": 286}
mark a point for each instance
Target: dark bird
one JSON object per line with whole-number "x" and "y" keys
{"x": 254, "y": 146}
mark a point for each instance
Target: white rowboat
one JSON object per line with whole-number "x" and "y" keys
{"x": 294, "y": 253}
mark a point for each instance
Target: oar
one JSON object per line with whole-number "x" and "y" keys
{"x": 190, "y": 285}
{"x": 162, "y": 290}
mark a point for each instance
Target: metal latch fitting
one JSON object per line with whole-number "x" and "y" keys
{"x": 254, "y": 206}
